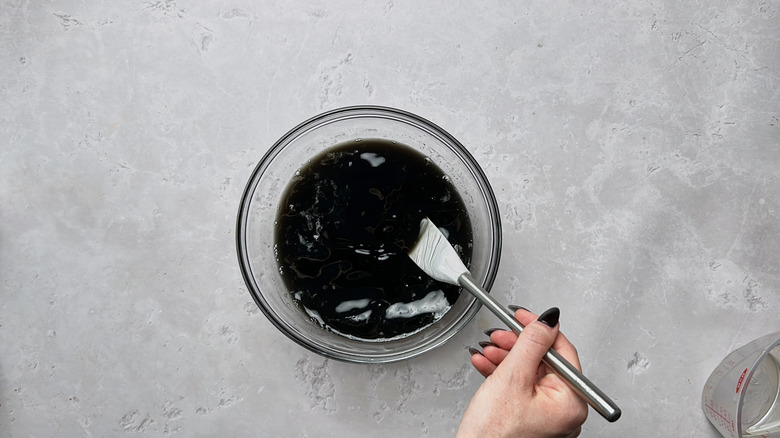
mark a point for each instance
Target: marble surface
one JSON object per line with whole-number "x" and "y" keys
{"x": 634, "y": 148}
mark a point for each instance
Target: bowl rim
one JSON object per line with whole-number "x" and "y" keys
{"x": 346, "y": 112}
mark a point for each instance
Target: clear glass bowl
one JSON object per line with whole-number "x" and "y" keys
{"x": 258, "y": 211}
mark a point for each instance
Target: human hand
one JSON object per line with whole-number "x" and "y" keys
{"x": 521, "y": 396}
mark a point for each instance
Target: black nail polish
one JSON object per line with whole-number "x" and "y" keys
{"x": 514, "y": 308}
{"x": 484, "y": 344}
{"x": 491, "y": 330}
{"x": 550, "y": 317}
{"x": 473, "y": 351}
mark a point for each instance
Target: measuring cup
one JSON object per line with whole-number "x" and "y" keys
{"x": 741, "y": 397}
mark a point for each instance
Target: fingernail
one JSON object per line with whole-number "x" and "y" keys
{"x": 550, "y": 317}
{"x": 490, "y": 331}
{"x": 484, "y": 344}
{"x": 514, "y": 308}
{"x": 473, "y": 351}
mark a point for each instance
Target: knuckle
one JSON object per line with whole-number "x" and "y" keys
{"x": 537, "y": 336}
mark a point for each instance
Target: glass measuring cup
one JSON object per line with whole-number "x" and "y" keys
{"x": 742, "y": 395}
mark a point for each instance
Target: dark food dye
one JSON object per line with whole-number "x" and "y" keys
{"x": 345, "y": 224}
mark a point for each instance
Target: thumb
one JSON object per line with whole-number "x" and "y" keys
{"x": 531, "y": 346}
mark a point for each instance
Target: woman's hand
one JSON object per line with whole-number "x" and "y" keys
{"x": 521, "y": 396}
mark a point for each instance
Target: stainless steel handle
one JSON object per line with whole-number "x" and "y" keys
{"x": 578, "y": 382}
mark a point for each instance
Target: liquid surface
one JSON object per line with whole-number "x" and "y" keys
{"x": 345, "y": 224}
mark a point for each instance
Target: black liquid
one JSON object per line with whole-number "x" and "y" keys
{"x": 345, "y": 224}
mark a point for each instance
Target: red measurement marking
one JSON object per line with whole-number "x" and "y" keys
{"x": 726, "y": 420}
{"x": 741, "y": 379}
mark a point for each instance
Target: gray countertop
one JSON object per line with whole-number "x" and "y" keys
{"x": 634, "y": 148}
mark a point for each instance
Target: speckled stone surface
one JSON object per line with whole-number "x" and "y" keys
{"x": 634, "y": 148}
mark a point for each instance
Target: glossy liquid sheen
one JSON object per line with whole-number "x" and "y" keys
{"x": 346, "y": 222}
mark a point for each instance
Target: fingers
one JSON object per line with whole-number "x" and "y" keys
{"x": 524, "y": 315}
{"x": 503, "y": 339}
{"x": 493, "y": 352}
{"x": 501, "y": 342}
{"x": 562, "y": 344}
{"x": 531, "y": 346}
{"x": 567, "y": 350}
{"x": 482, "y": 363}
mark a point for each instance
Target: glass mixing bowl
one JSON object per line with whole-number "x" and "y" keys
{"x": 267, "y": 184}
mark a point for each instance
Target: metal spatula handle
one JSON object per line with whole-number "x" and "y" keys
{"x": 578, "y": 382}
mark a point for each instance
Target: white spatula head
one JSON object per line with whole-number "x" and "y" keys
{"x": 435, "y": 256}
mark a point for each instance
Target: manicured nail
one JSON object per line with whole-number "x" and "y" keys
{"x": 514, "y": 308}
{"x": 550, "y": 317}
{"x": 473, "y": 351}
{"x": 490, "y": 331}
{"x": 484, "y": 344}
